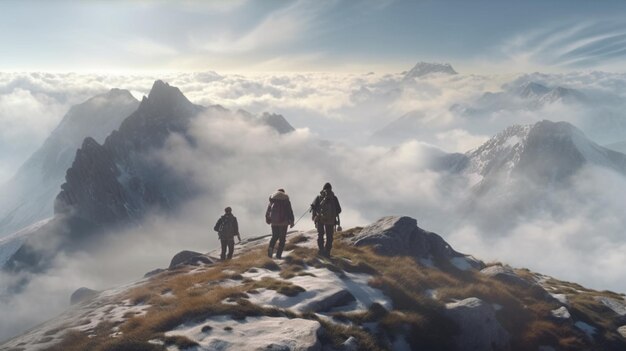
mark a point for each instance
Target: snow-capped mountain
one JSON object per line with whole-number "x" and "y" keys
{"x": 546, "y": 152}
{"x": 525, "y": 96}
{"x": 422, "y": 69}
{"x": 388, "y": 286}
{"x": 29, "y": 196}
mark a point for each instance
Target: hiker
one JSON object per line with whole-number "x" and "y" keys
{"x": 326, "y": 210}
{"x": 279, "y": 215}
{"x": 227, "y": 228}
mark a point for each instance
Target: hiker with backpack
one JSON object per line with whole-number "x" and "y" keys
{"x": 279, "y": 215}
{"x": 326, "y": 210}
{"x": 227, "y": 228}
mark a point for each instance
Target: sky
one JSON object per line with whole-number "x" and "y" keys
{"x": 303, "y": 35}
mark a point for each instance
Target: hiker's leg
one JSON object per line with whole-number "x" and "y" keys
{"x": 282, "y": 238}
{"x": 330, "y": 232}
{"x": 320, "y": 237}
{"x": 275, "y": 234}
{"x": 223, "y": 254}
{"x": 231, "y": 248}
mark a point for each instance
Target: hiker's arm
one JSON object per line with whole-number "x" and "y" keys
{"x": 267, "y": 213}
{"x": 237, "y": 230}
{"x": 290, "y": 215}
{"x": 338, "y": 205}
{"x": 217, "y": 225}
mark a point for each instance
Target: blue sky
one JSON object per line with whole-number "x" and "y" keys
{"x": 312, "y": 35}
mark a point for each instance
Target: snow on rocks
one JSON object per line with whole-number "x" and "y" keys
{"x": 622, "y": 331}
{"x": 615, "y": 305}
{"x": 254, "y": 333}
{"x": 479, "y": 328}
{"x": 324, "y": 291}
{"x": 560, "y": 313}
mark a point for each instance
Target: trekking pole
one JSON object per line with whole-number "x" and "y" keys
{"x": 305, "y": 212}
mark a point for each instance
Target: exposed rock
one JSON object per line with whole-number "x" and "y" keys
{"x": 395, "y": 235}
{"x": 191, "y": 258}
{"x": 153, "y": 272}
{"x": 622, "y": 331}
{"x": 338, "y": 299}
{"x": 615, "y": 305}
{"x": 561, "y": 313}
{"x": 505, "y": 275}
{"x": 480, "y": 330}
{"x": 82, "y": 294}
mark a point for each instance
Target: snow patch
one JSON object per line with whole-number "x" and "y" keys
{"x": 253, "y": 333}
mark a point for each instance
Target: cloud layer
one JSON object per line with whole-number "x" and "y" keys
{"x": 239, "y": 165}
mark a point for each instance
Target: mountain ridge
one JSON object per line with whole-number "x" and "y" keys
{"x": 358, "y": 299}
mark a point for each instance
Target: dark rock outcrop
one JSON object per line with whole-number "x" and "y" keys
{"x": 479, "y": 328}
{"x": 82, "y": 294}
{"x": 505, "y": 275}
{"x": 191, "y": 258}
{"x": 400, "y": 236}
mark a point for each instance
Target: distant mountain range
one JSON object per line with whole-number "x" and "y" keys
{"x": 117, "y": 182}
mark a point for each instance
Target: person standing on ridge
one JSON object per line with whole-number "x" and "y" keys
{"x": 227, "y": 228}
{"x": 325, "y": 209}
{"x": 279, "y": 215}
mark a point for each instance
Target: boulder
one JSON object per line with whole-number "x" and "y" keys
{"x": 338, "y": 299}
{"x": 505, "y": 275}
{"x": 396, "y": 235}
{"x": 82, "y": 294}
{"x": 479, "y": 328}
{"x": 191, "y": 258}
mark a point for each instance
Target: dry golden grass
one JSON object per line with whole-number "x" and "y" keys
{"x": 525, "y": 312}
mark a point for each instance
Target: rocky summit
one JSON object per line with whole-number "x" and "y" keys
{"x": 388, "y": 286}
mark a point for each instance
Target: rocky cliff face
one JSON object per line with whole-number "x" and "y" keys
{"x": 29, "y": 196}
{"x": 118, "y": 181}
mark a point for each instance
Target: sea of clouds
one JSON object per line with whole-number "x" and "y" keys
{"x": 239, "y": 164}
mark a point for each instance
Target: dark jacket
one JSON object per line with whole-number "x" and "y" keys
{"x": 316, "y": 208}
{"x": 227, "y": 232}
{"x": 279, "y": 211}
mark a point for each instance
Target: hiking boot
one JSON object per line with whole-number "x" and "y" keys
{"x": 270, "y": 251}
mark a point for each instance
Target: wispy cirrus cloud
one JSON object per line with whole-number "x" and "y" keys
{"x": 588, "y": 44}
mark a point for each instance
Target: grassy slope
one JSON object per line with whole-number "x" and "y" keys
{"x": 199, "y": 294}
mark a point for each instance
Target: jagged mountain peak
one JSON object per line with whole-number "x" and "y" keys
{"x": 162, "y": 95}
{"x": 425, "y": 68}
{"x": 276, "y": 121}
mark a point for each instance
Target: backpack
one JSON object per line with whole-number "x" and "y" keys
{"x": 327, "y": 210}
{"x": 226, "y": 227}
